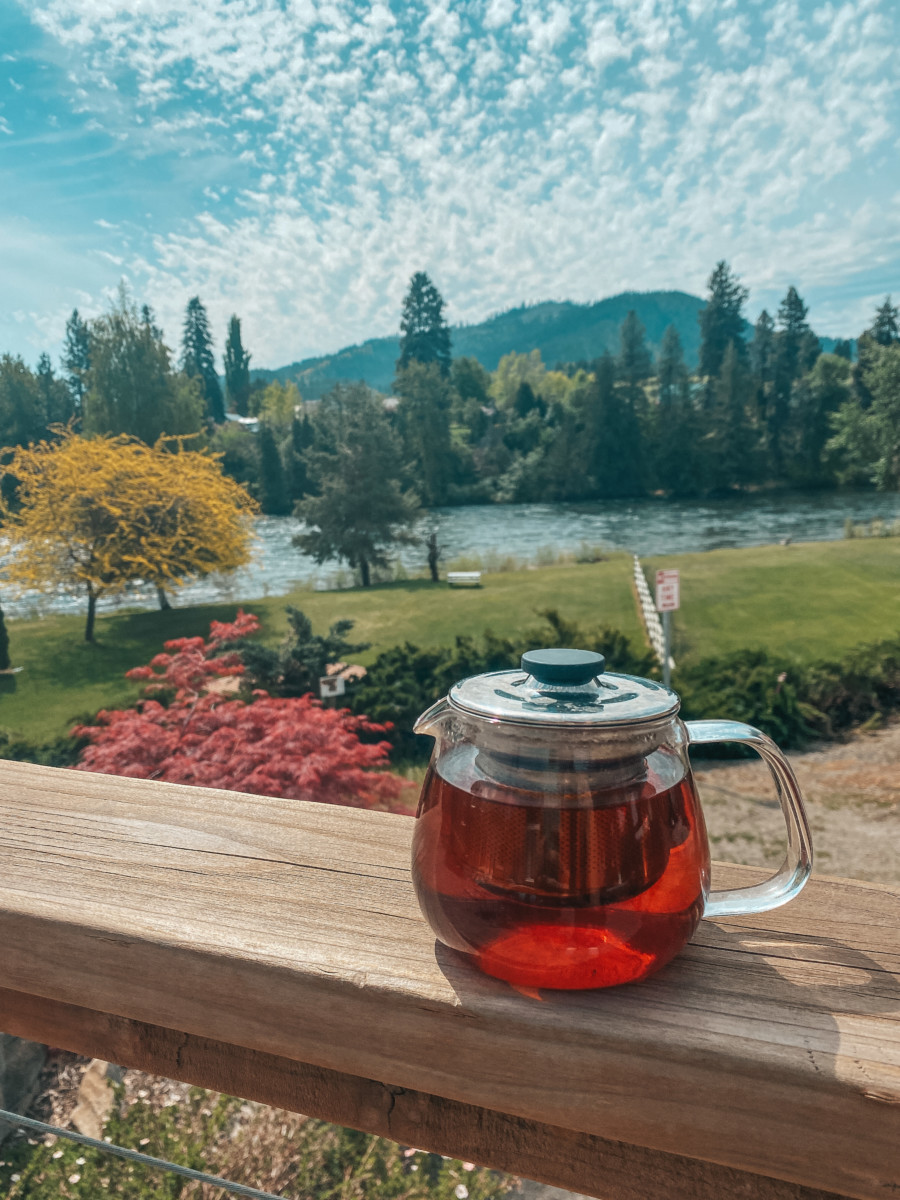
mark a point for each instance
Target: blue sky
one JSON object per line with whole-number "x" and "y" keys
{"x": 294, "y": 161}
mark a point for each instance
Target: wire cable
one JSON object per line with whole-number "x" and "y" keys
{"x": 147, "y": 1160}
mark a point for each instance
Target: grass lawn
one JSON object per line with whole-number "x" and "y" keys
{"x": 813, "y": 600}
{"x": 63, "y": 677}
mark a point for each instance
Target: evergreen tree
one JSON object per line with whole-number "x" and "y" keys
{"x": 273, "y": 490}
{"x": 424, "y": 333}
{"x": 526, "y": 401}
{"x": 56, "y": 400}
{"x": 22, "y": 412}
{"x": 148, "y": 316}
{"x": 361, "y": 509}
{"x": 4, "y": 644}
{"x": 198, "y": 361}
{"x": 816, "y": 397}
{"x": 618, "y": 468}
{"x": 674, "y": 426}
{"x": 732, "y": 450}
{"x": 635, "y": 360}
{"x": 843, "y": 349}
{"x": 424, "y": 422}
{"x": 670, "y": 367}
{"x": 301, "y": 441}
{"x": 796, "y": 349}
{"x": 237, "y": 370}
{"x": 76, "y": 359}
{"x": 722, "y": 320}
{"x": 885, "y": 330}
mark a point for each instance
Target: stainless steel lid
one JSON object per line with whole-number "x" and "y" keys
{"x": 567, "y": 688}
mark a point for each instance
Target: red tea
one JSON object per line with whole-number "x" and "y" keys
{"x": 584, "y": 889}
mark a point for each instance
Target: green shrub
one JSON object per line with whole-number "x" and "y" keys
{"x": 405, "y": 680}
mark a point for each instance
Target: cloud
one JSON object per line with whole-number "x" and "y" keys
{"x": 514, "y": 149}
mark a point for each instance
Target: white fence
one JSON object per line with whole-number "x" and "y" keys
{"x": 650, "y": 616}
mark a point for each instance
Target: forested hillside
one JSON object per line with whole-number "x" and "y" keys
{"x": 561, "y": 330}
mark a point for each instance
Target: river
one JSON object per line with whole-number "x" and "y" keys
{"x": 527, "y": 532}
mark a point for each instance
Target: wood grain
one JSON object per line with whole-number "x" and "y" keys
{"x": 772, "y": 1045}
{"x": 589, "y": 1165}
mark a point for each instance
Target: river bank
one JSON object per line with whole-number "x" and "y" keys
{"x": 492, "y": 536}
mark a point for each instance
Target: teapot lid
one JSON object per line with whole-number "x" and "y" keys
{"x": 564, "y": 687}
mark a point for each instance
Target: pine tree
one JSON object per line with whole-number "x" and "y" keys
{"x": 733, "y": 447}
{"x": 722, "y": 320}
{"x": 424, "y": 333}
{"x": 4, "y": 644}
{"x": 148, "y": 317}
{"x": 670, "y": 367}
{"x": 635, "y": 360}
{"x": 796, "y": 349}
{"x": 273, "y": 491}
{"x": 76, "y": 359}
{"x": 618, "y": 452}
{"x": 674, "y": 427}
{"x": 301, "y": 441}
{"x": 56, "y": 399}
{"x": 198, "y": 361}
{"x": 762, "y": 366}
{"x": 237, "y": 370}
{"x": 885, "y": 329}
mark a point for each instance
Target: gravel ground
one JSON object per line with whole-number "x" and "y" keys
{"x": 852, "y": 794}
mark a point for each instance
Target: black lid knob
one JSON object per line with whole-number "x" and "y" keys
{"x": 569, "y": 667}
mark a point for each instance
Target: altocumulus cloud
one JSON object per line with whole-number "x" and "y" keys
{"x": 515, "y": 149}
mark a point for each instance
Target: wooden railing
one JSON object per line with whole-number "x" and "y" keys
{"x": 274, "y": 950}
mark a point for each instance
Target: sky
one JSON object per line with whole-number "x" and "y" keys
{"x": 295, "y": 161}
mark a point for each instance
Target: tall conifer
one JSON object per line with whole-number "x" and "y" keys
{"x": 424, "y": 333}
{"x": 76, "y": 359}
{"x": 198, "y": 360}
{"x": 237, "y": 370}
{"x": 722, "y": 320}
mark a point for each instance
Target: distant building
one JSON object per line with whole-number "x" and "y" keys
{"x": 251, "y": 424}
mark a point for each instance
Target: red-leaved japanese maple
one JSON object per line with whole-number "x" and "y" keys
{"x": 269, "y": 746}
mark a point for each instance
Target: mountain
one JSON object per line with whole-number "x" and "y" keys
{"x": 562, "y": 330}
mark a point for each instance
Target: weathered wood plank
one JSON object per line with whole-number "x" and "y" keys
{"x": 589, "y": 1165}
{"x": 772, "y": 1045}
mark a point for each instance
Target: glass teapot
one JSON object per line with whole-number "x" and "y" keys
{"x": 559, "y": 840}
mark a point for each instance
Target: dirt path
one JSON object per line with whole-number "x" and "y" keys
{"x": 852, "y": 790}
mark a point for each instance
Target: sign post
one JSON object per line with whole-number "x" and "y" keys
{"x": 668, "y": 599}
{"x": 331, "y": 686}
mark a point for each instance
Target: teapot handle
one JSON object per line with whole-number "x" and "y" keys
{"x": 795, "y": 870}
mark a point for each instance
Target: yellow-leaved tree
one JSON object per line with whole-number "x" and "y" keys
{"x": 92, "y": 515}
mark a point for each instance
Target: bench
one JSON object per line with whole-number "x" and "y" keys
{"x": 274, "y": 950}
{"x": 464, "y": 578}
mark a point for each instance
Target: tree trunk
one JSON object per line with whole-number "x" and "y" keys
{"x": 92, "y": 612}
{"x": 163, "y": 598}
{"x": 364, "y": 572}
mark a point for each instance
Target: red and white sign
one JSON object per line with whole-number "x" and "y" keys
{"x": 668, "y": 591}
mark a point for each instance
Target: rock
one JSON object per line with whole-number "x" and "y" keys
{"x": 95, "y": 1100}
{"x": 20, "y": 1067}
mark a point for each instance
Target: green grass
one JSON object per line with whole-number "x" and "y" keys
{"x": 812, "y": 600}
{"x": 65, "y": 678}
